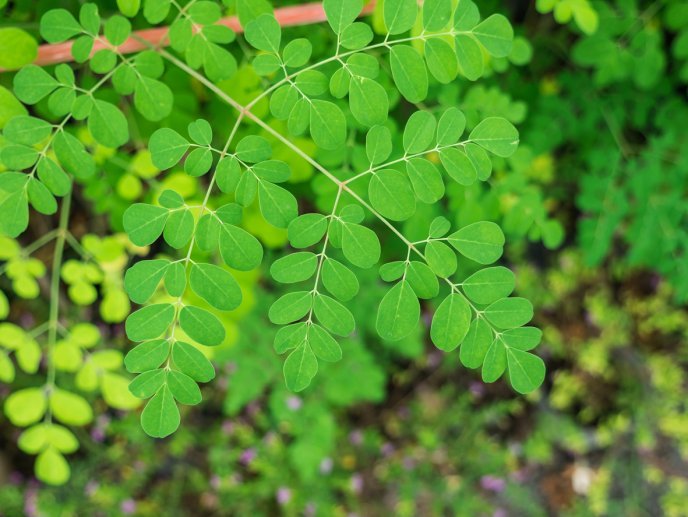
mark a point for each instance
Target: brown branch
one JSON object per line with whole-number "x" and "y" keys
{"x": 303, "y": 14}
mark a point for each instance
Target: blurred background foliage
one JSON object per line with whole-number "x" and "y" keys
{"x": 594, "y": 207}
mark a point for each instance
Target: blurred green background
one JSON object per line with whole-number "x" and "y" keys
{"x": 594, "y": 205}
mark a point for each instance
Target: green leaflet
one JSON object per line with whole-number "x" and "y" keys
{"x": 300, "y": 367}
{"x": 328, "y": 125}
{"x": 144, "y": 223}
{"x": 368, "y": 101}
{"x": 391, "y": 194}
{"x": 496, "y": 135}
{"x": 216, "y": 286}
{"x": 202, "y": 326}
{"x": 509, "y": 313}
{"x": 419, "y": 133}
{"x": 333, "y": 315}
{"x": 160, "y": 417}
{"x": 149, "y": 322}
{"x": 293, "y": 268}
{"x": 482, "y": 242}
{"x": 526, "y": 371}
{"x": 400, "y": 15}
{"x": 307, "y": 229}
{"x": 339, "y": 280}
{"x": 264, "y": 33}
{"x": 192, "y": 362}
{"x": 142, "y": 279}
{"x": 398, "y": 313}
{"x": 341, "y": 13}
{"x": 451, "y": 322}
{"x": 409, "y": 72}
{"x": 360, "y": 245}
{"x": 147, "y": 356}
{"x": 495, "y": 34}
{"x": 489, "y": 285}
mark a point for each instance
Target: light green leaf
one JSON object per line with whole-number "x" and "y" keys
{"x": 476, "y": 344}
{"x": 408, "y": 71}
{"x": 40, "y": 197}
{"x": 154, "y": 100}
{"x": 341, "y": 13}
{"x": 306, "y": 230}
{"x": 323, "y": 344}
{"x": 253, "y": 149}
{"x": 239, "y": 249}
{"x": 17, "y": 48}
{"x": 391, "y": 194}
{"x": 422, "y": 280}
{"x": 51, "y": 467}
{"x": 450, "y": 127}
{"x": 333, "y": 315}
{"x": 160, "y": 417}
{"x": 378, "y": 144}
{"x": 496, "y": 135}
{"x": 398, "y": 313}
{"x": 175, "y": 279}
{"x": 482, "y": 242}
{"x": 183, "y": 388}
{"x": 201, "y": 326}
{"x": 216, "y": 286}
{"x": 179, "y": 228}
{"x": 26, "y": 406}
{"x": 436, "y": 14}
{"x": 290, "y": 307}
{"x": 149, "y": 322}
{"x": 300, "y": 368}
{"x": 419, "y": 133}
{"x": 27, "y": 130}
{"x": 278, "y": 205}
{"x": 191, "y": 361}
{"x": 108, "y": 125}
{"x": 148, "y": 383}
{"x": 147, "y": 356}
{"x": 32, "y": 83}
{"x": 297, "y": 52}
{"x": 441, "y": 259}
{"x": 70, "y": 408}
{"x": 360, "y": 245}
{"x": 469, "y": 55}
{"x": 480, "y": 160}
{"x": 167, "y": 147}
{"x": 489, "y": 285}
{"x": 451, "y": 322}
{"x": 356, "y": 36}
{"x": 441, "y": 60}
{"x": 58, "y": 25}
{"x": 399, "y": 15}
{"x": 53, "y": 177}
{"x": 496, "y": 35}
{"x": 73, "y": 156}
{"x": 522, "y": 338}
{"x": 509, "y": 313}
{"x": 494, "y": 363}
{"x": 426, "y": 180}
{"x": 368, "y": 101}
{"x": 328, "y": 125}
{"x": 144, "y": 223}
{"x": 295, "y": 267}
{"x": 458, "y": 166}
{"x": 264, "y": 33}
{"x": 142, "y": 279}
{"x": 339, "y": 280}
{"x": 526, "y": 371}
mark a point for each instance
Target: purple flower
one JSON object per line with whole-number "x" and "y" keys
{"x": 216, "y": 482}
{"x": 283, "y": 495}
{"x": 91, "y": 488}
{"x": 326, "y": 465}
{"x": 309, "y": 511}
{"x": 492, "y": 483}
{"x": 409, "y": 463}
{"x": 228, "y": 427}
{"x": 500, "y": 512}
{"x": 387, "y": 449}
{"x": 97, "y": 434}
{"x": 294, "y": 403}
{"x": 357, "y": 483}
{"x": 128, "y": 506}
{"x": 477, "y": 389}
{"x": 248, "y": 456}
{"x": 356, "y": 437}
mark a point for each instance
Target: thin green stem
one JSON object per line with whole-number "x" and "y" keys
{"x": 54, "y": 314}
